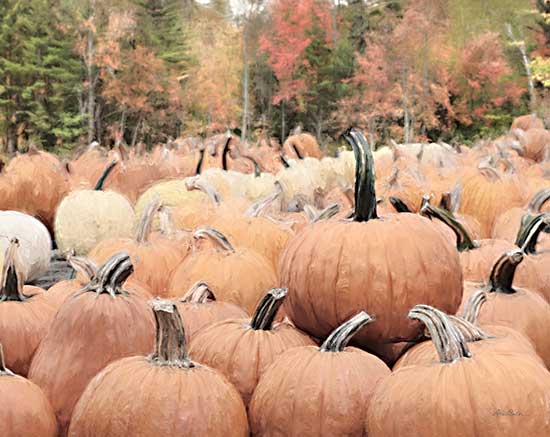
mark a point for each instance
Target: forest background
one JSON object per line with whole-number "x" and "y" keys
{"x": 148, "y": 71}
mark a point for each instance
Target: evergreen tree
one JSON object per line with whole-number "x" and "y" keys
{"x": 40, "y": 75}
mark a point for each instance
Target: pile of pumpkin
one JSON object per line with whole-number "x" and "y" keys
{"x": 272, "y": 291}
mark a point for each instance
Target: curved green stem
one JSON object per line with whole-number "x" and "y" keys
{"x": 365, "y": 195}
{"x": 530, "y": 230}
{"x": 470, "y": 331}
{"x": 340, "y": 337}
{"x": 502, "y": 274}
{"x": 104, "y": 176}
{"x": 326, "y": 213}
{"x": 447, "y": 339}
{"x": 267, "y": 309}
{"x": 463, "y": 240}
{"x": 295, "y": 148}
{"x": 225, "y": 152}
{"x": 170, "y": 346}
{"x": 284, "y": 161}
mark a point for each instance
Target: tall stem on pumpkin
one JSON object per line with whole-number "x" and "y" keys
{"x": 85, "y": 266}
{"x": 538, "y": 200}
{"x": 502, "y": 273}
{"x": 463, "y": 240}
{"x": 197, "y": 183}
{"x": 340, "y": 337}
{"x": 267, "y": 309}
{"x": 447, "y": 339}
{"x": 530, "y": 230}
{"x": 365, "y": 195}
{"x": 104, "y": 176}
{"x": 170, "y": 347}
{"x": 399, "y": 205}
{"x": 226, "y": 150}
{"x": 470, "y": 331}
{"x": 198, "y": 169}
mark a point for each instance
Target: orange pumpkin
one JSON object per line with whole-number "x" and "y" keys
{"x": 496, "y": 392}
{"x": 254, "y": 344}
{"x": 163, "y": 394}
{"x": 232, "y": 265}
{"x": 199, "y": 309}
{"x": 335, "y": 268}
{"x": 318, "y": 391}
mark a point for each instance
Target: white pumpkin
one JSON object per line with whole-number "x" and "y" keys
{"x": 35, "y": 243}
{"x": 86, "y": 217}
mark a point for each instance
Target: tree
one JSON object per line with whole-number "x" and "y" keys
{"x": 39, "y": 74}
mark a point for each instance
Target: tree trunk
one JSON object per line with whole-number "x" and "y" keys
{"x": 245, "y": 85}
{"x": 91, "y": 85}
{"x": 526, "y": 64}
{"x": 136, "y": 131}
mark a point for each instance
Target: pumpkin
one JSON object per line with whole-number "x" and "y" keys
{"x": 199, "y": 309}
{"x": 497, "y": 394}
{"x": 519, "y": 308}
{"x": 242, "y": 349}
{"x": 302, "y": 145}
{"x": 534, "y": 142}
{"x": 233, "y": 264}
{"x": 491, "y": 339}
{"x": 34, "y": 240}
{"x": 321, "y": 391}
{"x": 335, "y": 268}
{"x": 25, "y": 410}
{"x": 507, "y": 224}
{"x": 39, "y": 183}
{"x": 256, "y": 233}
{"x": 175, "y": 195}
{"x": 98, "y": 325}
{"x": 533, "y": 273}
{"x": 25, "y": 314}
{"x": 526, "y": 122}
{"x": 86, "y": 217}
{"x": 486, "y": 193}
{"x": 163, "y": 394}
{"x": 84, "y": 170}
{"x": 154, "y": 257}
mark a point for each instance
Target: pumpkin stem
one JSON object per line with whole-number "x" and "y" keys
{"x": 365, "y": 195}
{"x": 489, "y": 171}
{"x": 529, "y": 231}
{"x": 226, "y": 150}
{"x": 165, "y": 221}
{"x": 198, "y": 293}
{"x": 463, "y": 240}
{"x": 295, "y": 148}
{"x": 328, "y": 212}
{"x": 198, "y": 169}
{"x": 111, "y": 275}
{"x": 399, "y": 205}
{"x": 445, "y": 202}
{"x": 104, "y": 175}
{"x": 473, "y": 306}
{"x": 197, "y": 183}
{"x": 470, "y": 331}
{"x": 340, "y": 337}
{"x": 12, "y": 283}
{"x": 215, "y": 236}
{"x": 146, "y": 221}
{"x": 284, "y": 161}
{"x": 170, "y": 347}
{"x": 502, "y": 273}
{"x": 267, "y": 309}
{"x": 257, "y": 168}
{"x": 85, "y": 266}
{"x": 538, "y": 200}
{"x": 446, "y": 337}
{"x": 257, "y": 208}
{"x": 3, "y": 369}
